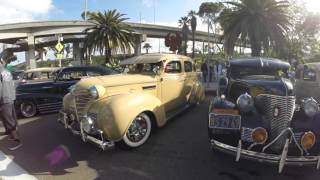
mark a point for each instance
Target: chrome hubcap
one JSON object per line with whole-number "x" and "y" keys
{"x": 27, "y": 109}
{"x": 138, "y": 129}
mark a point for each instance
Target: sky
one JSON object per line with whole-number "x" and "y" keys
{"x": 162, "y": 12}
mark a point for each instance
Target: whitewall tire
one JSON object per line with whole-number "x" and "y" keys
{"x": 138, "y": 132}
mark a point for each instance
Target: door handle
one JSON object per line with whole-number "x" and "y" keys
{"x": 46, "y": 87}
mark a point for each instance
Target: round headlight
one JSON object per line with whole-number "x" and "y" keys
{"x": 310, "y": 107}
{"x": 94, "y": 92}
{"x": 259, "y": 135}
{"x": 245, "y": 102}
{"x": 87, "y": 124}
{"x": 308, "y": 140}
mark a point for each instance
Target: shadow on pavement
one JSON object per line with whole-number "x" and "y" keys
{"x": 180, "y": 150}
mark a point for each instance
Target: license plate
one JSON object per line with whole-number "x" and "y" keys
{"x": 222, "y": 121}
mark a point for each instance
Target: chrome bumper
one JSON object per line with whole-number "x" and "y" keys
{"x": 102, "y": 142}
{"x": 282, "y": 160}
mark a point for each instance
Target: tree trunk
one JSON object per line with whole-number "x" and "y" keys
{"x": 193, "y": 43}
{"x": 108, "y": 55}
{"x": 185, "y": 47}
{"x": 147, "y": 50}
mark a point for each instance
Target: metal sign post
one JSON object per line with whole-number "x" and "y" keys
{"x": 59, "y": 48}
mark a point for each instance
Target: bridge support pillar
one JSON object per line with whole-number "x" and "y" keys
{"x": 30, "y": 54}
{"x": 137, "y": 47}
{"x": 77, "y": 53}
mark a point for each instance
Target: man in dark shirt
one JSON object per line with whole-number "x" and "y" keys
{"x": 204, "y": 70}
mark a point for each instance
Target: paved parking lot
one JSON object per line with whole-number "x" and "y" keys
{"x": 180, "y": 150}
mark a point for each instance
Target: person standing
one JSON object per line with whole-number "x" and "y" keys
{"x": 204, "y": 70}
{"x": 8, "y": 114}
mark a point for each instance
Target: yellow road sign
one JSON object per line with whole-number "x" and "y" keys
{"x": 59, "y": 47}
{"x": 59, "y": 56}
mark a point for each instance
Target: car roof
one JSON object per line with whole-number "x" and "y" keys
{"x": 259, "y": 62}
{"x": 82, "y": 68}
{"x": 151, "y": 58}
{"x": 44, "y": 69}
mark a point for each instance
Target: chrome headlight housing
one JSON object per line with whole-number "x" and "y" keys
{"x": 97, "y": 91}
{"x": 88, "y": 124}
{"x": 94, "y": 92}
{"x": 245, "y": 103}
{"x": 310, "y": 107}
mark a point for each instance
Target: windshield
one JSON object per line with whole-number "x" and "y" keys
{"x": 147, "y": 68}
{"x": 239, "y": 72}
{"x": 38, "y": 75}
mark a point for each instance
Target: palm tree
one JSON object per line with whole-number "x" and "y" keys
{"x": 208, "y": 11}
{"x": 184, "y": 23}
{"x": 192, "y": 15}
{"x": 88, "y": 14}
{"x": 147, "y": 46}
{"x": 109, "y": 34}
{"x": 262, "y": 22}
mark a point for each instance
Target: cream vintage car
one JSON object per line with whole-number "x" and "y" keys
{"x": 124, "y": 108}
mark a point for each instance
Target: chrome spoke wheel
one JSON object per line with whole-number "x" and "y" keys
{"x": 138, "y": 131}
{"x": 28, "y": 109}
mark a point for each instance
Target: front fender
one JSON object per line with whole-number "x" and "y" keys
{"x": 116, "y": 113}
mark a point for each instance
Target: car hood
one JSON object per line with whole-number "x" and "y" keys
{"x": 281, "y": 87}
{"x": 255, "y": 87}
{"x": 116, "y": 80}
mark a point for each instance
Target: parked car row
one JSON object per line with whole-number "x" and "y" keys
{"x": 260, "y": 112}
{"x": 42, "y": 90}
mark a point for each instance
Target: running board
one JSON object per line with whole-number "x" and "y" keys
{"x": 173, "y": 113}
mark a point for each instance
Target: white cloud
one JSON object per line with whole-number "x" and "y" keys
{"x": 23, "y": 10}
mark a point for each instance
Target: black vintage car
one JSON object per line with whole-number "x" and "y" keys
{"x": 46, "y": 96}
{"x": 256, "y": 116}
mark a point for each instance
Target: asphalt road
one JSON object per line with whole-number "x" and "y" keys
{"x": 180, "y": 150}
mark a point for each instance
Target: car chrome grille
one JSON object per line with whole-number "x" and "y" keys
{"x": 82, "y": 101}
{"x": 276, "y": 120}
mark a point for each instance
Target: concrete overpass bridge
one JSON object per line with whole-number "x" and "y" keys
{"x": 31, "y": 35}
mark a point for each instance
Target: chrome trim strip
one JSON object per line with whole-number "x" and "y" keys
{"x": 284, "y": 155}
{"x": 264, "y": 157}
{"x": 239, "y": 151}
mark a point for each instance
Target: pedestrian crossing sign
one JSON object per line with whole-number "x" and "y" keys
{"x": 59, "y": 47}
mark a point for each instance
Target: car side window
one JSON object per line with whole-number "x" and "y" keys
{"x": 188, "y": 66}
{"x": 72, "y": 75}
{"x": 93, "y": 73}
{"x": 309, "y": 75}
{"x": 173, "y": 67}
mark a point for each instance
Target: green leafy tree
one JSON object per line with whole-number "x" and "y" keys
{"x": 263, "y": 22}
{"x": 209, "y": 11}
{"x": 184, "y": 23}
{"x": 193, "y": 23}
{"x": 147, "y": 46}
{"x": 303, "y": 36}
{"x": 109, "y": 34}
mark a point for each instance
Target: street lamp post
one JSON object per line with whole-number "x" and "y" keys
{"x": 85, "y": 9}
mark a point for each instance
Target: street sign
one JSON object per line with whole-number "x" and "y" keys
{"x": 59, "y": 56}
{"x": 59, "y": 47}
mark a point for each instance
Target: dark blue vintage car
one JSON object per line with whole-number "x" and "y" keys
{"x": 46, "y": 96}
{"x": 256, "y": 116}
